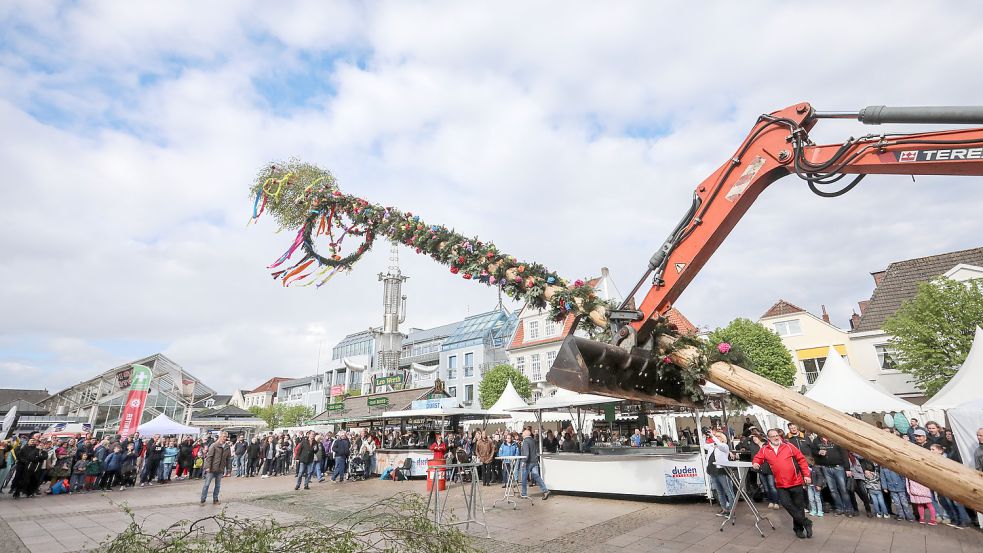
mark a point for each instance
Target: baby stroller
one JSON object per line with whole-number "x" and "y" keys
{"x": 356, "y": 468}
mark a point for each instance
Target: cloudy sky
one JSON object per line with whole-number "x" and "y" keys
{"x": 569, "y": 133}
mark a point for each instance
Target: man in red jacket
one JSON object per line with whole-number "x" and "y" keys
{"x": 791, "y": 471}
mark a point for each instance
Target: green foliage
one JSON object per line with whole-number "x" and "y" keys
{"x": 279, "y": 415}
{"x": 396, "y": 524}
{"x": 934, "y": 331}
{"x": 297, "y": 415}
{"x": 271, "y": 415}
{"x": 762, "y": 348}
{"x": 494, "y": 382}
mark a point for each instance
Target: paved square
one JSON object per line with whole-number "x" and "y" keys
{"x": 564, "y": 523}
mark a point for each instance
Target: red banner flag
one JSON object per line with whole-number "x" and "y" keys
{"x": 133, "y": 409}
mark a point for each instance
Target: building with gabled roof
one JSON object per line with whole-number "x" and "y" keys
{"x": 871, "y": 346}
{"x": 264, "y": 395}
{"x": 806, "y": 336}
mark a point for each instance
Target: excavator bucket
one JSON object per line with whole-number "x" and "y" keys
{"x": 589, "y": 366}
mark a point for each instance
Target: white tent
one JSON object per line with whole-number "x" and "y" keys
{"x": 842, "y": 388}
{"x": 965, "y": 420}
{"x": 164, "y": 426}
{"x": 967, "y": 384}
{"x": 510, "y": 399}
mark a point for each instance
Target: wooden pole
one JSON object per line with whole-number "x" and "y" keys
{"x": 951, "y": 479}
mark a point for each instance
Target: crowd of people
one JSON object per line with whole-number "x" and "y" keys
{"x": 807, "y": 474}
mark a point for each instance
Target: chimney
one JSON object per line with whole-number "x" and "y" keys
{"x": 863, "y": 306}
{"x": 854, "y": 321}
{"x": 878, "y": 277}
{"x": 825, "y": 315}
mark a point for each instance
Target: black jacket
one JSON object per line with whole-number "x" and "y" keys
{"x": 341, "y": 448}
{"x": 305, "y": 452}
{"x": 253, "y": 450}
{"x": 834, "y": 454}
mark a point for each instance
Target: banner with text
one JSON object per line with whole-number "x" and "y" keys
{"x": 135, "y": 400}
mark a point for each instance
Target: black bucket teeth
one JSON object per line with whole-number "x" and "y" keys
{"x": 589, "y": 366}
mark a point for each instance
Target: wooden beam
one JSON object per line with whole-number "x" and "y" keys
{"x": 949, "y": 478}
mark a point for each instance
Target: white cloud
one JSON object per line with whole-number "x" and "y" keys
{"x": 570, "y": 135}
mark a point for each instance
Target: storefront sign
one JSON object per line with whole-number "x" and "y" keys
{"x": 337, "y": 390}
{"x": 335, "y": 406}
{"x": 435, "y": 403}
{"x": 394, "y": 380}
{"x": 378, "y": 401}
{"x": 135, "y": 400}
{"x": 123, "y": 378}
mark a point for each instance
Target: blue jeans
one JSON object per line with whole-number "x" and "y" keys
{"x": 315, "y": 470}
{"x": 902, "y": 507}
{"x": 339, "y": 468}
{"x": 957, "y": 513}
{"x": 836, "y": 480}
{"x": 877, "y": 501}
{"x": 815, "y": 499}
{"x": 304, "y": 470}
{"x": 240, "y": 463}
{"x": 768, "y": 486}
{"x": 534, "y": 472}
{"x": 724, "y": 489}
{"x": 165, "y": 472}
{"x": 209, "y": 477}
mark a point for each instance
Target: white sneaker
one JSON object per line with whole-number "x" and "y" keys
{"x": 121, "y": 488}
{"x": 266, "y": 476}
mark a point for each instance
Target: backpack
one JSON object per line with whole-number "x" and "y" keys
{"x": 60, "y": 487}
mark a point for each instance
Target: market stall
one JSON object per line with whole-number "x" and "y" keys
{"x": 612, "y": 468}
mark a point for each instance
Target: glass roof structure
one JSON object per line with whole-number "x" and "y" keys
{"x": 493, "y": 328}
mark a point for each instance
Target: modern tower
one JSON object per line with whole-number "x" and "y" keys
{"x": 389, "y": 340}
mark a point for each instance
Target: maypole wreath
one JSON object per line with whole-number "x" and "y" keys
{"x": 305, "y": 197}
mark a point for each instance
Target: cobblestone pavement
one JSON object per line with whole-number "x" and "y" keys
{"x": 564, "y": 523}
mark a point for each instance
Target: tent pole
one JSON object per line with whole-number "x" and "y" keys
{"x": 703, "y": 459}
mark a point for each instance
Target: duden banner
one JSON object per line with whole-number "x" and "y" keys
{"x": 135, "y": 400}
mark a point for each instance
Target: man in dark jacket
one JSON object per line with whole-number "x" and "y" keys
{"x": 29, "y": 460}
{"x": 341, "y": 448}
{"x": 305, "y": 457}
{"x": 790, "y": 469}
{"x": 799, "y": 439}
{"x": 240, "y": 455}
{"x": 831, "y": 458}
{"x": 155, "y": 453}
{"x": 218, "y": 459}
{"x": 252, "y": 453}
{"x": 530, "y": 464}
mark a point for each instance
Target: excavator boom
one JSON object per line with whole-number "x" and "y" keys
{"x": 633, "y": 365}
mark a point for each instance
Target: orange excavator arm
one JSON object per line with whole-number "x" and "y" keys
{"x": 778, "y": 146}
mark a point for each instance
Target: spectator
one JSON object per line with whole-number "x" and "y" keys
{"x": 897, "y": 486}
{"x": 935, "y": 434}
{"x": 831, "y": 459}
{"x": 814, "y": 491}
{"x": 305, "y": 458}
{"x": 791, "y": 473}
{"x": 485, "y": 449}
{"x": 978, "y": 455}
{"x": 911, "y": 430}
{"x": 507, "y": 449}
{"x": 78, "y": 473}
{"x": 550, "y": 442}
{"x": 872, "y": 481}
{"x": 921, "y": 498}
{"x": 241, "y": 460}
{"x": 218, "y": 459}
{"x": 636, "y": 438}
{"x": 799, "y": 439}
{"x": 954, "y": 512}
{"x": 856, "y": 486}
{"x": 921, "y": 437}
{"x": 723, "y": 488}
{"x": 341, "y": 448}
